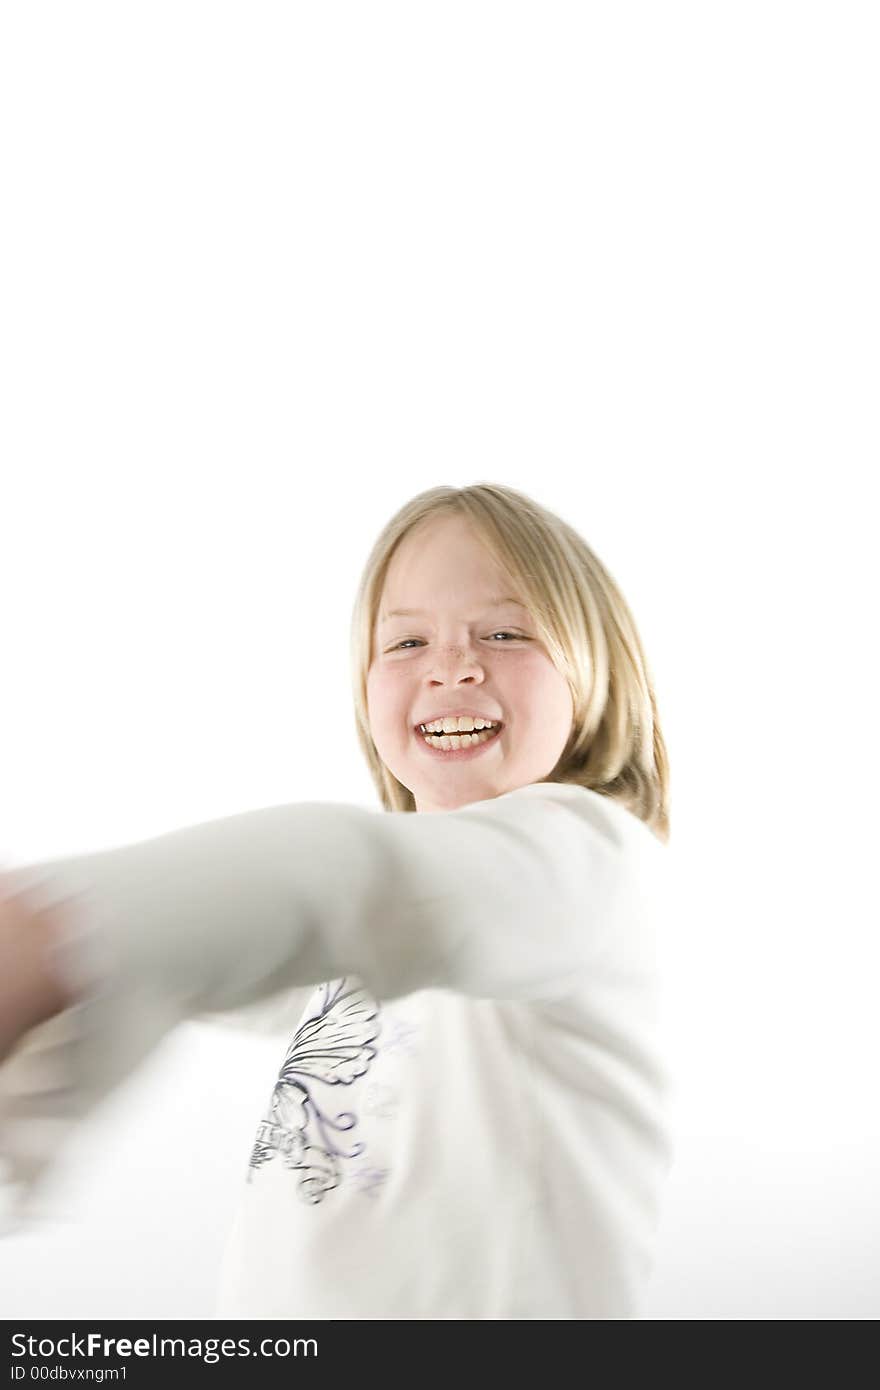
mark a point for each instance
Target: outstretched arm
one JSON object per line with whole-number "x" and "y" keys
{"x": 519, "y": 897}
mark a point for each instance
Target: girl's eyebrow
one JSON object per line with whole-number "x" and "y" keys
{"x": 419, "y": 612}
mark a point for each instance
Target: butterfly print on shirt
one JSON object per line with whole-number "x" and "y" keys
{"x": 332, "y": 1046}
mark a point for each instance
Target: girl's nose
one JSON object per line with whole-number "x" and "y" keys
{"x": 457, "y": 659}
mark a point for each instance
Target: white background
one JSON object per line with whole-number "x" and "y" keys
{"x": 268, "y": 270}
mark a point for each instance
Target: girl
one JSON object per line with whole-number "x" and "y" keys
{"x": 469, "y": 1120}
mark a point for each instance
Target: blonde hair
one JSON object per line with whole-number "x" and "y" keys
{"x": 615, "y": 746}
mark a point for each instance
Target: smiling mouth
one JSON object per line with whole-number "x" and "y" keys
{"x": 461, "y": 740}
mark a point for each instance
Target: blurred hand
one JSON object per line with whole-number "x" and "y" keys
{"x": 30, "y": 988}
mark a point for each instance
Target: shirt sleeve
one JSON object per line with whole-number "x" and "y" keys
{"x": 516, "y": 897}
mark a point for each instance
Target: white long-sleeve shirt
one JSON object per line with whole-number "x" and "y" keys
{"x": 468, "y": 1120}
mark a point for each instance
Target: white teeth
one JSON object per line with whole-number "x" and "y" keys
{"x": 451, "y": 725}
{"x": 459, "y": 740}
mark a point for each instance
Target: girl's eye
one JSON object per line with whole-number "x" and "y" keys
{"x": 514, "y": 635}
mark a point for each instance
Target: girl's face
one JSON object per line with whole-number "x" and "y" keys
{"x": 461, "y": 652}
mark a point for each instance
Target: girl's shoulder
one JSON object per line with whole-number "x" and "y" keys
{"x": 603, "y": 814}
